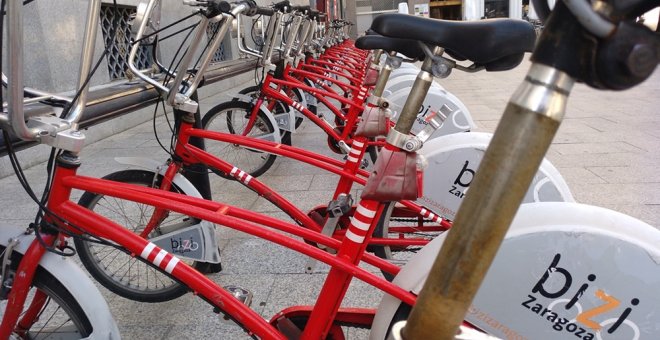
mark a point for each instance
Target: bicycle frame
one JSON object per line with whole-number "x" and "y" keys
{"x": 350, "y": 118}
{"x": 349, "y": 172}
{"x": 344, "y": 265}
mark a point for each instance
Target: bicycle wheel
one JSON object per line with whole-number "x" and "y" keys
{"x": 232, "y": 117}
{"x": 394, "y": 215}
{"x": 279, "y": 107}
{"x": 118, "y": 271}
{"x": 59, "y": 316}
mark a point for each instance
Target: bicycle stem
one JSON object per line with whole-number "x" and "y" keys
{"x": 519, "y": 144}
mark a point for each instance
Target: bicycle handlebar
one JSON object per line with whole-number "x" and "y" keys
{"x": 217, "y": 7}
{"x": 303, "y": 9}
{"x": 267, "y": 11}
{"x": 282, "y": 5}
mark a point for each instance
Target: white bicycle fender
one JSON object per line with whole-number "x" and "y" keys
{"x": 580, "y": 224}
{"x": 276, "y": 134}
{"x": 460, "y": 119}
{"x": 309, "y": 99}
{"x": 153, "y": 165}
{"x": 457, "y": 156}
{"x": 76, "y": 282}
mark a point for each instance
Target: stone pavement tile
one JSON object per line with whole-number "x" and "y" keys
{"x": 304, "y": 200}
{"x": 303, "y": 289}
{"x": 631, "y": 137}
{"x": 579, "y": 175}
{"x": 566, "y": 138}
{"x": 226, "y": 234}
{"x": 631, "y": 174}
{"x": 324, "y": 182}
{"x": 602, "y": 124}
{"x": 486, "y": 125}
{"x": 600, "y": 159}
{"x": 295, "y": 168}
{"x": 575, "y": 126}
{"x": 600, "y": 194}
{"x": 206, "y": 327}
{"x": 598, "y": 148}
{"x": 256, "y": 256}
{"x": 230, "y": 192}
{"x": 649, "y": 118}
{"x": 287, "y": 183}
{"x": 649, "y": 213}
{"x": 650, "y": 145}
{"x": 144, "y": 331}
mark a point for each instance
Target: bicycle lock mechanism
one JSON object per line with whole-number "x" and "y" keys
{"x": 600, "y": 45}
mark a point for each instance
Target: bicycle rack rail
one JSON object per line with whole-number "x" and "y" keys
{"x": 108, "y": 102}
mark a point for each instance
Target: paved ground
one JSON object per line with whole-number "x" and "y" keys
{"x": 607, "y": 149}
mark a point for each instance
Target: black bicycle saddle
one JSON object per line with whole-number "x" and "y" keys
{"x": 497, "y": 44}
{"x": 409, "y": 48}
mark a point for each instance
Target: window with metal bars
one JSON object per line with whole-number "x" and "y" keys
{"x": 120, "y": 47}
{"x": 219, "y": 54}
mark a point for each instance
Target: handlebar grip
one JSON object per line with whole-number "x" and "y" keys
{"x": 313, "y": 14}
{"x": 267, "y": 11}
{"x": 305, "y": 8}
{"x": 216, "y": 7}
{"x": 280, "y": 6}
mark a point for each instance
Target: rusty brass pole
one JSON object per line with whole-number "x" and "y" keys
{"x": 520, "y": 142}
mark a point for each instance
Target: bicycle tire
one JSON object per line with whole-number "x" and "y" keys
{"x": 61, "y": 308}
{"x": 372, "y": 151}
{"x": 130, "y": 284}
{"x": 280, "y": 107}
{"x": 382, "y": 231}
{"x": 231, "y": 117}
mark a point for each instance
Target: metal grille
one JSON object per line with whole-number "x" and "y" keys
{"x": 219, "y": 54}
{"x": 119, "y": 48}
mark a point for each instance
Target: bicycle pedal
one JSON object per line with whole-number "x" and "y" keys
{"x": 241, "y": 294}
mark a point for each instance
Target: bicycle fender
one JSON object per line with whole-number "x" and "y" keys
{"x": 152, "y": 165}
{"x": 405, "y": 81}
{"x": 458, "y": 119}
{"x": 309, "y": 100}
{"x": 589, "y": 249}
{"x": 457, "y": 157}
{"x": 74, "y": 279}
{"x": 289, "y": 125}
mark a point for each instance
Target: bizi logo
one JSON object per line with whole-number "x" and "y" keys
{"x": 462, "y": 182}
{"x": 607, "y": 316}
{"x": 183, "y": 246}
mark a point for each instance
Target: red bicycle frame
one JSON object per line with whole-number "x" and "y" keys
{"x": 349, "y": 172}
{"x": 321, "y": 318}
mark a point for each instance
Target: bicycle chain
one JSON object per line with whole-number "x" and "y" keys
{"x": 408, "y": 219}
